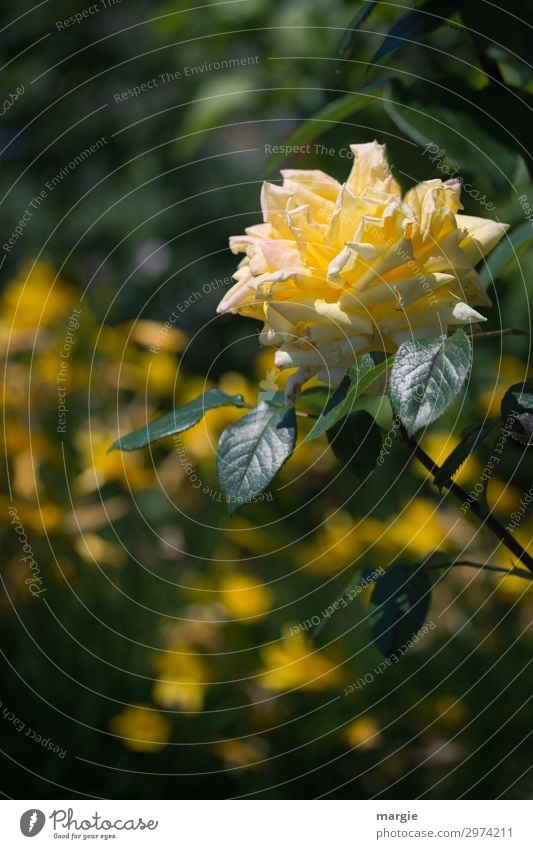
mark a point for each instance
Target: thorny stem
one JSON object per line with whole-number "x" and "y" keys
{"x": 486, "y": 518}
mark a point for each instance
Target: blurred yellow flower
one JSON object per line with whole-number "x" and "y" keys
{"x": 244, "y": 597}
{"x": 26, "y": 450}
{"x": 295, "y": 663}
{"x": 452, "y": 712}
{"x": 364, "y": 733}
{"x": 183, "y": 676}
{"x": 502, "y": 497}
{"x": 34, "y": 298}
{"x": 141, "y": 728}
{"x": 512, "y": 588}
{"x": 418, "y": 528}
{"x": 155, "y": 373}
{"x": 239, "y": 753}
{"x": 339, "y": 541}
{"x": 45, "y": 369}
{"x": 508, "y": 370}
{"x": 16, "y": 386}
{"x": 336, "y": 270}
{"x": 152, "y": 334}
{"x": 97, "y": 551}
{"x": 246, "y": 535}
{"x": 201, "y": 625}
{"x": 233, "y": 382}
{"x": 102, "y": 465}
{"x": 43, "y": 518}
{"x": 141, "y": 371}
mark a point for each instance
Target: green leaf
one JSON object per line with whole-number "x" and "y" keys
{"x": 522, "y": 431}
{"x": 314, "y": 399}
{"x": 399, "y": 605}
{"x": 178, "y": 420}
{"x": 517, "y": 412}
{"x": 356, "y": 442}
{"x": 428, "y": 17}
{"x": 275, "y": 398}
{"x": 358, "y": 378}
{"x": 426, "y": 376}
{"x": 471, "y": 437}
{"x": 347, "y": 42}
{"x": 252, "y": 450}
{"x": 462, "y": 136}
{"x": 518, "y": 399}
{"x": 505, "y": 251}
{"x": 326, "y": 118}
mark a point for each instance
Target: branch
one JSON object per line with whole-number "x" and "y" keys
{"x": 476, "y": 508}
{"x": 487, "y": 567}
{"x": 506, "y": 331}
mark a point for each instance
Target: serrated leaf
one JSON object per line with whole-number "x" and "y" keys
{"x": 329, "y": 116}
{"x": 426, "y": 376}
{"x": 426, "y": 18}
{"x": 358, "y": 378}
{"x": 399, "y": 604}
{"x": 252, "y": 450}
{"x": 178, "y": 420}
{"x": 517, "y": 412}
{"x": 346, "y": 45}
{"x": 522, "y": 431}
{"x": 518, "y": 399}
{"x": 505, "y": 252}
{"x": 472, "y": 437}
{"x": 356, "y": 442}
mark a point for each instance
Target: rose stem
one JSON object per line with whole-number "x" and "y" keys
{"x": 485, "y": 518}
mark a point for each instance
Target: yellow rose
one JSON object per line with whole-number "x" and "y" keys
{"x": 337, "y": 270}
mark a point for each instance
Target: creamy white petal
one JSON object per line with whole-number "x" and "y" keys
{"x": 482, "y": 235}
{"x": 464, "y": 314}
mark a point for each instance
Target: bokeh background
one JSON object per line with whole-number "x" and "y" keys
{"x": 157, "y": 659}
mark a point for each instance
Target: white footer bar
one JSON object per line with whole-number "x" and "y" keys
{"x": 266, "y": 824}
